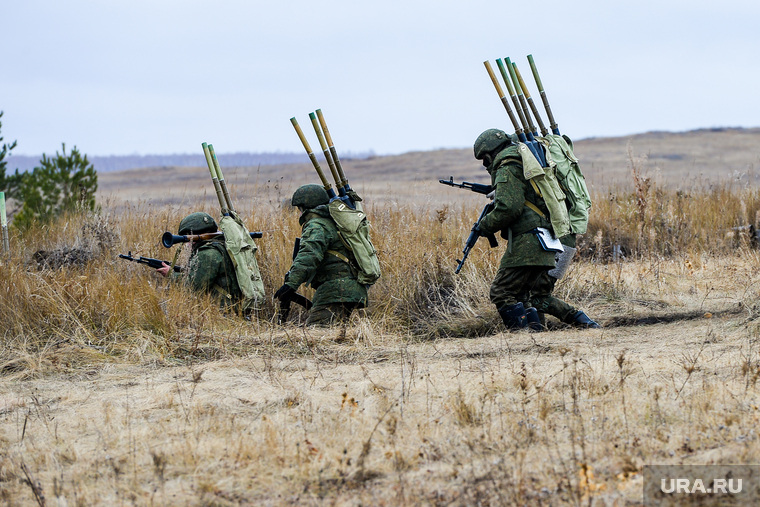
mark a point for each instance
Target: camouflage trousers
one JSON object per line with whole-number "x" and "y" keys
{"x": 329, "y": 314}
{"x": 530, "y": 285}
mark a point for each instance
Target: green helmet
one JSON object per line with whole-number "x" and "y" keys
{"x": 197, "y": 223}
{"x": 309, "y": 196}
{"x": 490, "y": 142}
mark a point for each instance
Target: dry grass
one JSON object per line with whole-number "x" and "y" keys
{"x": 118, "y": 388}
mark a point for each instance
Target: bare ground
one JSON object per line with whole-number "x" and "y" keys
{"x": 355, "y": 417}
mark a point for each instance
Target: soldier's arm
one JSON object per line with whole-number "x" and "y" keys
{"x": 509, "y": 199}
{"x": 314, "y": 242}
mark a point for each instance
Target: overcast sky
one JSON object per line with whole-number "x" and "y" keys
{"x": 142, "y": 77}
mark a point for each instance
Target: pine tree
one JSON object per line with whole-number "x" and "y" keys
{"x": 61, "y": 184}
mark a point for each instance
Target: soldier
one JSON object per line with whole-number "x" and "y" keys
{"x": 522, "y": 271}
{"x": 323, "y": 261}
{"x": 210, "y": 267}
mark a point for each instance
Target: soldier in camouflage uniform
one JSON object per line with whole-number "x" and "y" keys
{"x": 323, "y": 261}
{"x": 522, "y": 272}
{"x": 210, "y": 267}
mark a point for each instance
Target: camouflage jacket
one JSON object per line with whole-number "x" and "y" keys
{"x": 512, "y": 217}
{"x": 210, "y": 269}
{"x": 321, "y": 262}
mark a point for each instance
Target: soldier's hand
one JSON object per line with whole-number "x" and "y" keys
{"x": 285, "y": 293}
{"x": 164, "y": 269}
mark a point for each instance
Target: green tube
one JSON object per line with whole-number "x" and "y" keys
{"x": 325, "y": 150}
{"x": 333, "y": 152}
{"x": 552, "y": 122}
{"x": 521, "y": 96}
{"x": 220, "y": 176}
{"x": 214, "y": 179}
{"x": 320, "y": 173}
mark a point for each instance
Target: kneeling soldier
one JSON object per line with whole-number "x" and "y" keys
{"x": 518, "y": 211}
{"x": 323, "y": 261}
{"x": 210, "y": 268}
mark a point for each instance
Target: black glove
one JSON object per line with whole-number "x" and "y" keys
{"x": 285, "y": 293}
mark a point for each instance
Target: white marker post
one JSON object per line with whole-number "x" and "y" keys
{"x": 4, "y": 223}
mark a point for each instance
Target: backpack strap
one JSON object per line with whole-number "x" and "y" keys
{"x": 340, "y": 256}
{"x": 345, "y": 259}
{"x": 535, "y": 188}
{"x": 536, "y": 209}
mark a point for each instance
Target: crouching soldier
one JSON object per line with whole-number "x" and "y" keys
{"x": 518, "y": 211}
{"x": 323, "y": 261}
{"x": 210, "y": 268}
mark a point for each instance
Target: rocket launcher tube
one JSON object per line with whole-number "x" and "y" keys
{"x": 515, "y": 123}
{"x": 326, "y": 152}
{"x": 333, "y": 152}
{"x": 532, "y": 104}
{"x": 320, "y": 173}
{"x": 534, "y": 146}
{"x": 521, "y": 97}
{"x": 513, "y": 95}
{"x": 552, "y": 123}
{"x": 217, "y": 187}
{"x": 220, "y": 177}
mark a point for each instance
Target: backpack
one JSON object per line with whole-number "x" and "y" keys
{"x": 242, "y": 250}
{"x": 572, "y": 181}
{"x": 545, "y": 184}
{"x": 353, "y": 228}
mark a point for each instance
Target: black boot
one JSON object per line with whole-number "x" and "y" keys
{"x": 514, "y": 316}
{"x": 534, "y": 320}
{"x": 580, "y": 319}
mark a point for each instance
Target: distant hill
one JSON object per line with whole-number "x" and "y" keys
{"x": 125, "y": 162}
{"x": 684, "y": 160}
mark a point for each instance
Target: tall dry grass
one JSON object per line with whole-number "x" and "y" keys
{"x": 97, "y": 307}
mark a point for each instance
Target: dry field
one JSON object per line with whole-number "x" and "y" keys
{"x": 117, "y": 388}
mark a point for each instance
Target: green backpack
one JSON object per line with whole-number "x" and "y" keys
{"x": 571, "y": 180}
{"x": 353, "y": 228}
{"x": 545, "y": 183}
{"x": 242, "y": 250}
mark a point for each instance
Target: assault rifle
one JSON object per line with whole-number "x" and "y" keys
{"x": 153, "y": 263}
{"x": 475, "y": 232}
{"x": 475, "y": 187}
{"x": 169, "y": 240}
{"x": 294, "y": 298}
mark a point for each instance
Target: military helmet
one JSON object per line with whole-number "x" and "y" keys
{"x": 309, "y": 196}
{"x": 197, "y": 223}
{"x": 490, "y": 142}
